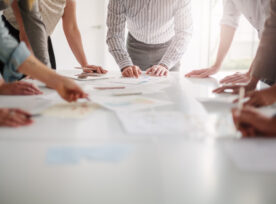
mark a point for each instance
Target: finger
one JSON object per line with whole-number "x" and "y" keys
{"x": 162, "y": 73}
{"x": 36, "y": 89}
{"x": 221, "y": 89}
{"x": 88, "y": 70}
{"x": 154, "y": 69}
{"x": 139, "y": 71}
{"x": 125, "y": 73}
{"x": 130, "y": 72}
{"x": 33, "y": 90}
{"x": 233, "y": 80}
{"x": 195, "y": 73}
{"x": 9, "y": 123}
{"x": 205, "y": 74}
{"x": 226, "y": 79}
{"x": 20, "y": 119}
{"x": 135, "y": 72}
{"x": 103, "y": 70}
{"x": 149, "y": 70}
{"x": 22, "y": 112}
{"x": 159, "y": 71}
{"x": 158, "y": 68}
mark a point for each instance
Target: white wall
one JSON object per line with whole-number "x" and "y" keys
{"x": 91, "y": 19}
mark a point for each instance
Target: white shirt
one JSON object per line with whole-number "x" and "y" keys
{"x": 255, "y": 11}
{"x": 51, "y": 13}
{"x": 150, "y": 22}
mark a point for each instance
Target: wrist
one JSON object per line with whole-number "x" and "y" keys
{"x": 253, "y": 82}
{"x": 163, "y": 65}
{"x": 216, "y": 66}
{"x": 124, "y": 68}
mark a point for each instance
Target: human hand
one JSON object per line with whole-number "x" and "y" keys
{"x": 251, "y": 123}
{"x": 14, "y": 118}
{"x": 203, "y": 73}
{"x": 19, "y": 88}
{"x": 261, "y": 98}
{"x": 131, "y": 71}
{"x": 236, "y": 78}
{"x": 157, "y": 70}
{"x": 235, "y": 89}
{"x": 69, "y": 90}
{"x": 94, "y": 69}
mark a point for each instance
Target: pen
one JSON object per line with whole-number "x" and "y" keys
{"x": 82, "y": 68}
{"x": 241, "y": 98}
{"x": 110, "y": 88}
{"x": 128, "y": 94}
{"x": 35, "y": 115}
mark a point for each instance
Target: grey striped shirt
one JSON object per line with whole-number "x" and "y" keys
{"x": 150, "y": 22}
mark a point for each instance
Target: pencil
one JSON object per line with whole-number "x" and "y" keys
{"x": 241, "y": 98}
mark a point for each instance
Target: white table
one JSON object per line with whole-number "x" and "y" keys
{"x": 148, "y": 169}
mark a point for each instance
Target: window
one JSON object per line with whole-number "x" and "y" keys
{"x": 202, "y": 51}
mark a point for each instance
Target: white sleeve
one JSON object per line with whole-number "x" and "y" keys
{"x": 231, "y": 14}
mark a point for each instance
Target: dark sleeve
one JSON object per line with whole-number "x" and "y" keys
{"x": 264, "y": 65}
{"x": 35, "y": 30}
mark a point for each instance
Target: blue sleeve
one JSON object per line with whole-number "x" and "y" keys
{"x": 12, "y": 54}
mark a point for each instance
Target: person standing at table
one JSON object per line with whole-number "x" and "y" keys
{"x": 17, "y": 61}
{"x": 52, "y": 11}
{"x": 158, "y": 35}
{"x": 256, "y": 12}
{"x": 249, "y": 121}
{"x": 33, "y": 29}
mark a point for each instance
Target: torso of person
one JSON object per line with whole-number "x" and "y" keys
{"x": 51, "y": 13}
{"x": 151, "y": 21}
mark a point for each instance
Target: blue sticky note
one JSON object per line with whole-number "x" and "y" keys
{"x": 74, "y": 154}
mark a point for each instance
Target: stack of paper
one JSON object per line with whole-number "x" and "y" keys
{"x": 167, "y": 123}
{"x": 130, "y": 103}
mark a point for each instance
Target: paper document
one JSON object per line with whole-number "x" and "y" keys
{"x": 111, "y": 89}
{"x": 130, "y": 103}
{"x": 70, "y": 110}
{"x": 168, "y": 123}
{"x": 143, "y": 79}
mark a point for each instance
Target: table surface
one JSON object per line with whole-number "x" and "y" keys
{"x": 148, "y": 169}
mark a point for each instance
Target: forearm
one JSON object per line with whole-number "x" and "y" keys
{"x": 75, "y": 42}
{"x": 119, "y": 52}
{"x": 34, "y": 68}
{"x": 176, "y": 50}
{"x": 226, "y": 39}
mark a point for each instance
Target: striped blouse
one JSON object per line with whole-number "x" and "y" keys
{"x": 151, "y": 22}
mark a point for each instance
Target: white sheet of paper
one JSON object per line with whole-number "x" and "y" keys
{"x": 165, "y": 123}
{"x": 252, "y": 155}
{"x": 31, "y": 104}
{"x": 71, "y": 110}
{"x": 143, "y": 79}
{"x": 129, "y": 103}
{"x": 145, "y": 89}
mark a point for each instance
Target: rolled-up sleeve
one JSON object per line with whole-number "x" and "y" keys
{"x": 12, "y": 54}
{"x": 183, "y": 34}
{"x": 231, "y": 14}
{"x": 116, "y": 22}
